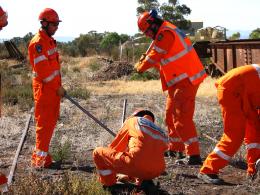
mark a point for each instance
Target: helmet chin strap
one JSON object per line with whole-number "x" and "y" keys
{"x": 46, "y": 28}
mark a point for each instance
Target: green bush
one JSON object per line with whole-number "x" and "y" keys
{"x": 144, "y": 76}
{"x": 20, "y": 94}
{"x": 61, "y": 152}
{"x": 94, "y": 65}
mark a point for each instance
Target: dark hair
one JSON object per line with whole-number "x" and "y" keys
{"x": 145, "y": 112}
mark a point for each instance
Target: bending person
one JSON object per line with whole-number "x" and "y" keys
{"x": 239, "y": 98}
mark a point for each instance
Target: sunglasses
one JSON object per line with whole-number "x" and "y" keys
{"x": 54, "y": 23}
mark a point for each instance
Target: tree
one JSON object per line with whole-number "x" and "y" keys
{"x": 174, "y": 13}
{"x": 147, "y": 5}
{"x": 255, "y": 34}
{"x": 171, "y": 11}
{"x": 235, "y": 36}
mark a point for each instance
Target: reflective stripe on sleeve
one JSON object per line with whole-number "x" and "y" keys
{"x": 191, "y": 140}
{"x": 177, "y": 56}
{"x": 257, "y": 67}
{"x": 52, "y": 51}
{"x": 159, "y": 50}
{"x": 105, "y": 172}
{"x": 221, "y": 154}
{"x": 253, "y": 145}
{"x": 175, "y": 139}
{"x": 151, "y": 134}
{"x": 39, "y": 59}
{"x": 52, "y": 76}
{"x": 150, "y": 60}
{"x": 41, "y": 153}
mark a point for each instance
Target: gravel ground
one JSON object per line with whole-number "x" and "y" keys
{"x": 84, "y": 135}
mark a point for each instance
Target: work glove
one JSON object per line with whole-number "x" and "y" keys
{"x": 61, "y": 91}
{"x": 142, "y": 57}
{"x": 136, "y": 65}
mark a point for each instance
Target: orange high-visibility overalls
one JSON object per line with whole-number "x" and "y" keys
{"x": 239, "y": 98}
{"x": 44, "y": 59}
{"x": 3, "y": 179}
{"x": 137, "y": 151}
{"x": 181, "y": 72}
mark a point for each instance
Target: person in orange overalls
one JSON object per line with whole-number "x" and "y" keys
{"x": 239, "y": 98}
{"x": 181, "y": 73}
{"x": 47, "y": 88}
{"x": 137, "y": 151}
{"x": 3, "y": 23}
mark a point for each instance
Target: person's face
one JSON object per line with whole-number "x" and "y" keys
{"x": 53, "y": 27}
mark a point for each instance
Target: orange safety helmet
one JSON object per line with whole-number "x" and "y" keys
{"x": 3, "y": 18}
{"x": 142, "y": 22}
{"x": 49, "y": 15}
{"x": 142, "y": 113}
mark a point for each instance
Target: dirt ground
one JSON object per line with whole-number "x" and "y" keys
{"x": 84, "y": 135}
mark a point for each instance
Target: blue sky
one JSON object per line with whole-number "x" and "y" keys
{"x": 82, "y": 16}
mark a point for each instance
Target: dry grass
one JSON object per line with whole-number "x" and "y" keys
{"x": 207, "y": 88}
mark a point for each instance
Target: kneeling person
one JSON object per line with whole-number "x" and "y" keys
{"x": 137, "y": 151}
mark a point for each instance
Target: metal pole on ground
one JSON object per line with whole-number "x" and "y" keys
{"x": 89, "y": 114}
{"x": 12, "y": 170}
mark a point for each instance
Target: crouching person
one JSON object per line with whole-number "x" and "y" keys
{"x": 137, "y": 151}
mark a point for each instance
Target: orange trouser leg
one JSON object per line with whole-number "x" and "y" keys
{"x": 3, "y": 179}
{"x": 183, "y": 98}
{"x": 109, "y": 162}
{"x": 234, "y": 131}
{"x": 47, "y": 108}
{"x": 175, "y": 142}
{"x": 252, "y": 141}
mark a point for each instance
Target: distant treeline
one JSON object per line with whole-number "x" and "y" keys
{"x": 110, "y": 44}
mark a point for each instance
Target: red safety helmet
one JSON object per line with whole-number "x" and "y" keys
{"x": 142, "y": 113}
{"x": 49, "y": 15}
{"x": 142, "y": 22}
{"x": 3, "y": 18}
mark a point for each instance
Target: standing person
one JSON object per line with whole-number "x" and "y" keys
{"x": 181, "y": 73}
{"x": 239, "y": 98}
{"x": 47, "y": 88}
{"x": 137, "y": 151}
{"x": 3, "y": 23}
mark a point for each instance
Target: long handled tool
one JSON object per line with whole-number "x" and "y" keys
{"x": 89, "y": 114}
{"x": 124, "y": 111}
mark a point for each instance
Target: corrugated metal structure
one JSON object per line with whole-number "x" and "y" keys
{"x": 226, "y": 55}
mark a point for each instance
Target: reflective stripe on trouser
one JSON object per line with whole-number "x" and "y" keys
{"x": 180, "y": 105}
{"x": 234, "y": 123}
{"x": 47, "y": 107}
{"x": 111, "y": 162}
{"x": 252, "y": 146}
{"x": 175, "y": 142}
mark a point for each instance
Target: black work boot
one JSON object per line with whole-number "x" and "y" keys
{"x": 190, "y": 160}
{"x": 180, "y": 155}
{"x": 149, "y": 187}
{"x": 170, "y": 153}
{"x": 210, "y": 178}
{"x": 252, "y": 177}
